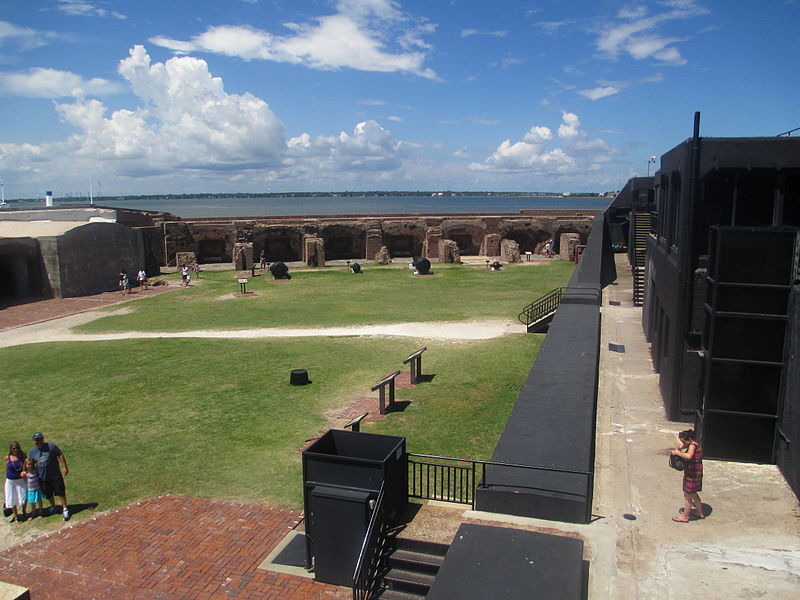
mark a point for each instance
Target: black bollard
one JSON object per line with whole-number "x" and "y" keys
{"x": 299, "y": 377}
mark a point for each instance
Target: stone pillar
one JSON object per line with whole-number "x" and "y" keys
{"x": 509, "y": 251}
{"x": 313, "y": 250}
{"x": 567, "y": 244}
{"x": 431, "y": 245}
{"x": 382, "y": 256}
{"x": 490, "y": 246}
{"x": 374, "y": 242}
{"x": 242, "y": 256}
{"x": 449, "y": 252}
{"x": 185, "y": 258}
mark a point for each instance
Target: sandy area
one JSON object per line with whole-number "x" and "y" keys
{"x": 59, "y": 330}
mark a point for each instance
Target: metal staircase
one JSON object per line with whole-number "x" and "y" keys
{"x": 641, "y": 231}
{"x": 538, "y": 314}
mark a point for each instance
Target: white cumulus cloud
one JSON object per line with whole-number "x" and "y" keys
{"x": 535, "y": 154}
{"x": 369, "y": 147}
{"x": 367, "y": 35}
{"x": 186, "y": 123}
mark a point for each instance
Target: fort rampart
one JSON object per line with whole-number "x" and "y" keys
{"x": 214, "y": 240}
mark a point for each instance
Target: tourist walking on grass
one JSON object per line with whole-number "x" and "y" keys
{"x": 196, "y": 270}
{"x": 31, "y": 475}
{"x": 16, "y": 493}
{"x": 51, "y": 465}
{"x": 689, "y": 450}
{"x": 184, "y": 275}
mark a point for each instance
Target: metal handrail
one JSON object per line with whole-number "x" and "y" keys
{"x": 495, "y": 463}
{"x": 457, "y": 484}
{"x": 369, "y": 561}
{"x": 541, "y": 307}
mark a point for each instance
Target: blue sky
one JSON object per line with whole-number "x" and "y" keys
{"x": 151, "y": 97}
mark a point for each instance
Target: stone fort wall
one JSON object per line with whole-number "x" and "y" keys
{"x": 288, "y": 239}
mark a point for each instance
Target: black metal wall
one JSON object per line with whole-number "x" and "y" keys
{"x": 788, "y": 439}
{"x": 553, "y": 422}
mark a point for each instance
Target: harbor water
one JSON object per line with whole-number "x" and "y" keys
{"x": 336, "y": 205}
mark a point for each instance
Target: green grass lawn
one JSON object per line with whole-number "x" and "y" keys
{"x": 217, "y": 418}
{"x": 335, "y": 297}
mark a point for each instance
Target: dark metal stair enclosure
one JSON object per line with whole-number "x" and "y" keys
{"x": 394, "y": 568}
{"x": 538, "y": 314}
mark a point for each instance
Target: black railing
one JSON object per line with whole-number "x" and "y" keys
{"x": 445, "y": 479}
{"x": 539, "y": 309}
{"x": 455, "y": 479}
{"x": 366, "y": 580}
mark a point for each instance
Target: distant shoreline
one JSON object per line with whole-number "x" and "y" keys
{"x": 274, "y": 195}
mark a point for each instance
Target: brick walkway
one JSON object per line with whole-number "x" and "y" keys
{"x": 36, "y": 311}
{"x": 170, "y": 547}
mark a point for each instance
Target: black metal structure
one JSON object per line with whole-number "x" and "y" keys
{"x": 744, "y": 340}
{"x": 496, "y": 562}
{"x": 456, "y": 480}
{"x": 721, "y": 286}
{"x": 552, "y": 423}
{"x": 628, "y": 219}
{"x": 343, "y": 474}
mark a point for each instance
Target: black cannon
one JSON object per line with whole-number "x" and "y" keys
{"x": 496, "y": 266}
{"x": 355, "y": 268}
{"x": 422, "y": 265}
{"x": 279, "y": 270}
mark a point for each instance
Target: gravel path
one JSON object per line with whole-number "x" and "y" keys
{"x": 59, "y": 330}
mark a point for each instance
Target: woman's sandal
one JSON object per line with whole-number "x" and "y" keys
{"x": 680, "y": 519}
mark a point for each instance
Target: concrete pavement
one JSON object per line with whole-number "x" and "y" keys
{"x": 749, "y": 544}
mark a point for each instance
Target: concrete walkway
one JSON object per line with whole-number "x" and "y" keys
{"x": 749, "y": 544}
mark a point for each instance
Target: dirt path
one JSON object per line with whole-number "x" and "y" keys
{"x": 59, "y": 330}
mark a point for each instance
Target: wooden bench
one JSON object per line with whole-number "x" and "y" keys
{"x": 415, "y": 361}
{"x": 381, "y": 386}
